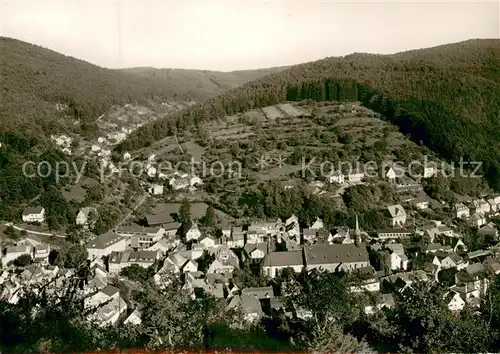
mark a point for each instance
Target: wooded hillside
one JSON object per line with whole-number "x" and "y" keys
{"x": 448, "y": 97}
{"x": 34, "y": 79}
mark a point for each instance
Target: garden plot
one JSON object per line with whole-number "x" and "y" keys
{"x": 272, "y": 113}
{"x": 290, "y": 110}
{"x": 255, "y": 115}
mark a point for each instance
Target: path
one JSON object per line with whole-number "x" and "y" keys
{"x": 34, "y": 232}
{"x": 143, "y": 199}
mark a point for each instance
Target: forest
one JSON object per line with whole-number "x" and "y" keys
{"x": 447, "y": 97}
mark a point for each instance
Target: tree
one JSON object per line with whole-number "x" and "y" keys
{"x": 74, "y": 256}
{"x": 210, "y": 218}
{"x": 185, "y": 211}
{"x": 11, "y": 233}
{"x": 23, "y": 260}
{"x": 137, "y": 273}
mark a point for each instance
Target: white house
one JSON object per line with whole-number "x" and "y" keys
{"x": 454, "y": 301}
{"x": 207, "y": 242}
{"x": 114, "y": 307}
{"x": 355, "y": 176}
{"x": 156, "y": 189}
{"x": 292, "y": 220}
{"x": 86, "y": 217}
{"x": 106, "y": 243}
{"x": 398, "y": 215}
{"x": 191, "y": 231}
{"x": 390, "y": 174}
{"x": 461, "y": 211}
{"x": 318, "y": 224}
{"x": 481, "y": 206}
{"x": 429, "y": 171}
{"x": 34, "y": 214}
{"x": 127, "y": 156}
{"x": 256, "y": 251}
{"x": 397, "y": 258}
{"x": 477, "y": 220}
{"x": 420, "y": 203}
{"x": 336, "y": 177}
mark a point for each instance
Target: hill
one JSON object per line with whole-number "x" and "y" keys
{"x": 201, "y": 83}
{"x": 447, "y": 97}
{"x": 34, "y": 79}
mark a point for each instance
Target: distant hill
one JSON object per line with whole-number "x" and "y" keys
{"x": 35, "y": 78}
{"x": 447, "y": 97}
{"x": 201, "y": 83}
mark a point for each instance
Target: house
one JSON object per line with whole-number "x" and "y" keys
{"x": 141, "y": 236}
{"x": 156, "y": 189}
{"x": 257, "y": 251}
{"x": 489, "y": 230}
{"x": 390, "y": 174}
{"x": 225, "y": 230}
{"x": 454, "y": 301}
{"x": 435, "y": 247}
{"x": 134, "y": 318}
{"x": 477, "y": 220}
{"x": 398, "y": 215}
{"x": 87, "y": 217}
{"x": 420, "y": 203}
{"x": 451, "y": 260}
{"x": 114, "y": 305}
{"x": 237, "y": 239}
{"x": 34, "y": 214}
{"x": 397, "y": 257}
{"x": 456, "y": 243}
{"x": 461, "y": 211}
{"x": 385, "y": 234}
{"x": 106, "y": 243}
{"x": 41, "y": 253}
{"x": 335, "y": 257}
{"x": 238, "y": 235}
{"x": 206, "y": 242}
{"x": 14, "y": 252}
{"x": 430, "y": 171}
{"x": 355, "y": 176}
{"x": 318, "y": 224}
{"x": 161, "y": 220}
{"x": 190, "y": 231}
{"x": 177, "y": 263}
{"x": 480, "y": 206}
{"x": 226, "y": 261}
{"x": 335, "y": 177}
{"x": 179, "y": 183}
{"x": 309, "y": 235}
{"x": 119, "y": 260}
{"x": 445, "y": 230}
{"x": 382, "y": 301}
{"x": 274, "y": 262}
{"x": 292, "y": 220}
{"x": 249, "y": 305}
{"x": 494, "y": 202}
{"x": 162, "y": 246}
{"x": 127, "y": 156}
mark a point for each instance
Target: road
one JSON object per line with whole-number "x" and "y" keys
{"x": 34, "y": 232}
{"x": 141, "y": 201}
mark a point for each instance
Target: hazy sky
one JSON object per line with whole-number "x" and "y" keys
{"x": 240, "y": 34}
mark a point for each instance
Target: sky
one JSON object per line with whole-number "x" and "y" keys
{"x": 240, "y": 34}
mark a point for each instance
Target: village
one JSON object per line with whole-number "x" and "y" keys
{"x": 206, "y": 259}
